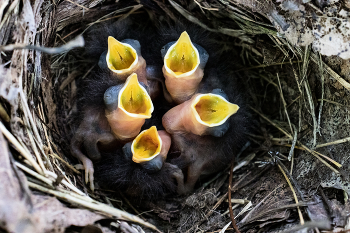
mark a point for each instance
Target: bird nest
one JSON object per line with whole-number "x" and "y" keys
{"x": 292, "y": 175}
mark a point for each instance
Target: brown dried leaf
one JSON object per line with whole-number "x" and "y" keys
{"x": 49, "y": 214}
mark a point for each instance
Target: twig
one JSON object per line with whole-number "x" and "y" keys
{"x": 105, "y": 17}
{"x": 75, "y": 43}
{"x": 331, "y": 72}
{"x": 269, "y": 81}
{"x": 228, "y": 211}
{"x": 272, "y": 123}
{"x": 88, "y": 72}
{"x": 70, "y": 33}
{"x": 35, "y": 149}
{"x": 207, "y": 8}
{"x": 225, "y": 227}
{"x": 47, "y": 180}
{"x": 308, "y": 91}
{"x": 291, "y": 164}
{"x": 271, "y": 138}
{"x": 329, "y": 159}
{"x": 188, "y": 16}
{"x": 299, "y": 113}
{"x": 41, "y": 116}
{"x": 284, "y": 102}
{"x": 232, "y": 216}
{"x": 295, "y": 138}
{"x": 65, "y": 162}
{"x": 294, "y": 194}
{"x": 322, "y": 225}
{"x": 28, "y": 113}
{"x": 66, "y": 183}
{"x": 34, "y": 174}
{"x": 333, "y": 102}
{"x": 263, "y": 66}
{"x": 293, "y": 101}
{"x": 334, "y": 142}
{"x": 85, "y": 8}
{"x": 322, "y": 93}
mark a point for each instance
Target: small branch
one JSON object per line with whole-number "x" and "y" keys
{"x": 233, "y": 221}
{"x": 309, "y": 225}
{"x": 264, "y": 66}
{"x": 333, "y": 102}
{"x": 75, "y": 43}
{"x": 318, "y": 153}
{"x": 284, "y": 102}
{"x": 294, "y": 194}
{"x": 206, "y": 8}
{"x": 291, "y": 152}
{"x": 85, "y": 8}
{"x": 308, "y": 91}
{"x": 334, "y": 142}
{"x": 64, "y": 162}
{"x": 322, "y": 93}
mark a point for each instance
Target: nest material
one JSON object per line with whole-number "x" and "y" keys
{"x": 300, "y": 97}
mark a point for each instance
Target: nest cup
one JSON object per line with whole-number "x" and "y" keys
{"x": 45, "y": 114}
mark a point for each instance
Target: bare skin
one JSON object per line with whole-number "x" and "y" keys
{"x": 199, "y": 156}
{"x": 92, "y": 135}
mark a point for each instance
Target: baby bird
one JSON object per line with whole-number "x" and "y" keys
{"x": 207, "y": 131}
{"x": 149, "y": 149}
{"x": 127, "y": 107}
{"x": 183, "y": 68}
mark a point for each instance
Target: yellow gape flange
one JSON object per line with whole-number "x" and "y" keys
{"x": 146, "y": 146}
{"x": 134, "y": 99}
{"x": 212, "y": 110}
{"x": 120, "y": 56}
{"x": 134, "y": 106}
{"x": 183, "y": 56}
{"x": 181, "y": 69}
{"x": 198, "y": 114}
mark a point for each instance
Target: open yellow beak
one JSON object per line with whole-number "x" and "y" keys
{"x": 134, "y": 99}
{"x": 120, "y": 57}
{"x": 212, "y": 110}
{"x": 146, "y": 146}
{"x": 182, "y": 57}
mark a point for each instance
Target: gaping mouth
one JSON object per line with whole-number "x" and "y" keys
{"x": 182, "y": 57}
{"x": 120, "y": 57}
{"x": 212, "y": 110}
{"x": 134, "y": 99}
{"x": 146, "y": 145}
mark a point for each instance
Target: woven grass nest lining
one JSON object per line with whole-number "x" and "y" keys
{"x": 38, "y": 97}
